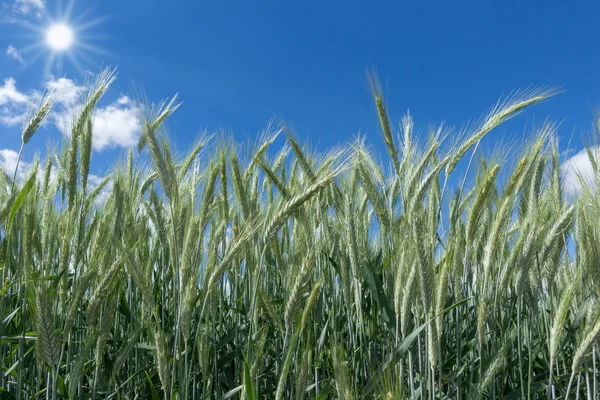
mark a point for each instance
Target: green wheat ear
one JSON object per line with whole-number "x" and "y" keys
{"x": 33, "y": 121}
{"x": 388, "y": 135}
{"x": 37, "y": 116}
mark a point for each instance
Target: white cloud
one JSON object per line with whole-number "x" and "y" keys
{"x": 94, "y": 181}
{"x": 68, "y": 95}
{"x": 13, "y": 53}
{"x": 8, "y": 162}
{"x": 26, "y": 7}
{"x": 115, "y": 125}
{"x": 9, "y": 117}
{"x": 66, "y": 91}
{"x": 9, "y": 93}
{"x": 14, "y": 103}
{"x": 578, "y": 169}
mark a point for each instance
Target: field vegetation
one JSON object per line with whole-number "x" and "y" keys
{"x": 276, "y": 272}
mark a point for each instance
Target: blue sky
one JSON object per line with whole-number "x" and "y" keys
{"x": 236, "y": 65}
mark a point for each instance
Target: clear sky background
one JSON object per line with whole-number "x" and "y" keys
{"x": 237, "y": 64}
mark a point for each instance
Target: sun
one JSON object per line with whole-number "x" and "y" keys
{"x": 66, "y": 37}
{"x": 60, "y": 37}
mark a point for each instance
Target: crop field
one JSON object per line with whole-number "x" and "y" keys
{"x": 271, "y": 271}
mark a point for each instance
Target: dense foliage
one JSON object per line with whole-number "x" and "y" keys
{"x": 283, "y": 274}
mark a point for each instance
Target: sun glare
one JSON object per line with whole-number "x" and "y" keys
{"x": 65, "y": 36}
{"x": 59, "y": 37}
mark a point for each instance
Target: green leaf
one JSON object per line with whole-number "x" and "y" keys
{"x": 20, "y": 199}
{"x": 9, "y": 318}
{"x": 324, "y": 393}
{"x": 124, "y": 306}
{"x": 248, "y": 383}
{"x": 232, "y": 392}
{"x": 6, "y": 395}
{"x": 62, "y": 388}
{"x": 376, "y": 288}
{"x": 153, "y": 390}
{"x": 321, "y": 341}
{"x": 396, "y": 354}
{"x": 5, "y": 288}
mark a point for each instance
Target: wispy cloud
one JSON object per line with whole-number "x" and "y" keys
{"x": 14, "y": 103}
{"x": 13, "y": 53}
{"x": 27, "y": 7}
{"x": 578, "y": 170}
